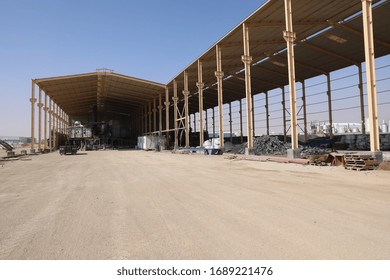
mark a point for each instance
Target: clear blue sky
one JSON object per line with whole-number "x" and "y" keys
{"x": 149, "y": 39}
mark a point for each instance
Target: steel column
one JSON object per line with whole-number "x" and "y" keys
{"x": 247, "y": 60}
{"x": 40, "y": 120}
{"x": 370, "y": 74}
{"x": 290, "y": 36}
{"x": 267, "y": 111}
{"x": 362, "y": 114}
{"x": 160, "y": 107}
{"x": 241, "y": 126}
{"x": 32, "y": 100}
{"x": 329, "y": 93}
{"x": 45, "y": 122}
{"x": 154, "y": 115}
{"x": 146, "y": 118}
{"x": 200, "y": 86}
{"x": 175, "y": 99}
{"x": 166, "y": 103}
{"x": 219, "y": 75}
{"x": 230, "y": 122}
{"x": 213, "y": 122}
{"x": 50, "y": 111}
{"x": 284, "y": 114}
{"x": 150, "y": 116}
{"x": 186, "y": 114}
{"x": 304, "y": 109}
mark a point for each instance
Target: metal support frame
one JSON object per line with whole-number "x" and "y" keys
{"x": 304, "y": 109}
{"x": 146, "y": 119}
{"x": 267, "y": 111}
{"x": 241, "y": 126}
{"x": 329, "y": 93}
{"x": 32, "y": 100}
{"x": 213, "y": 121}
{"x": 166, "y": 103}
{"x": 253, "y": 116}
{"x": 200, "y": 86}
{"x": 186, "y": 112}
{"x": 150, "y": 116}
{"x": 247, "y": 60}
{"x": 290, "y": 36}
{"x": 370, "y": 74}
{"x": 361, "y": 93}
{"x": 160, "y": 107}
{"x": 284, "y": 114}
{"x": 50, "y": 111}
{"x": 175, "y": 112}
{"x": 230, "y": 122}
{"x": 40, "y": 120}
{"x": 45, "y": 123}
{"x": 219, "y": 75}
{"x": 154, "y": 115}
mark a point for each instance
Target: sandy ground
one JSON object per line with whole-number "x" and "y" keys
{"x": 148, "y": 205}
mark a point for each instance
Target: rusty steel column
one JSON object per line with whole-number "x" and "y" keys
{"x": 45, "y": 122}
{"x": 304, "y": 109}
{"x": 219, "y": 75}
{"x": 40, "y": 121}
{"x": 32, "y": 100}
{"x": 267, "y": 111}
{"x": 247, "y": 60}
{"x": 175, "y": 100}
{"x": 200, "y": 86}
{"x": 284, "y": 114}
{"x": 290, "y": 36}
{"x": 361, "y": 91}
{"x": 370, "y": 75}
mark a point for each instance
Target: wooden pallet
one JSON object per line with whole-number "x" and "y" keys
{"x": 360, "y": 162}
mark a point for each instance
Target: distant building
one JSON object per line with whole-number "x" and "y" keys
{"x": 16, "y": 140}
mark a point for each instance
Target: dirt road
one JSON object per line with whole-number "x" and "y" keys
{"x": 148, "y": 205}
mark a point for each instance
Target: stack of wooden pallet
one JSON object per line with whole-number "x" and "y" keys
{"x": 360, "y": 162}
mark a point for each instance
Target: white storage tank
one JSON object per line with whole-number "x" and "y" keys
{"x": 384, "y": 127}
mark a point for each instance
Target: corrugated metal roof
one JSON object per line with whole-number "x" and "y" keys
{"x": 329, "y": 37}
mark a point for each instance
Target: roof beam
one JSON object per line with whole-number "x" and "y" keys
{"x": 279, "y": 58}
{"x": 325, "y": 51}
{"x": 358, "y": 33}
{"x": 282, "y": 23}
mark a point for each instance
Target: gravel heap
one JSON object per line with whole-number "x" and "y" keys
{"x": 262, "y": 145}
{"x": 271, "y": 145}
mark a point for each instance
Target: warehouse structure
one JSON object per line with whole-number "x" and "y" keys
{"x": 280, "y": 44}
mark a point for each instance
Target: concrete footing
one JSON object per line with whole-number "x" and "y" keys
{"x": 378, "y": 155}
{"x": 39, "y": 151}
{"x": 32, "y": 151}
{"x": 293, "y": 153}
{"x": 249, "y": 151}
{"x": 10, "y": 154}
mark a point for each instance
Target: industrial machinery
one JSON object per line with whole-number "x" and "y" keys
{"x": 68, "y": 149}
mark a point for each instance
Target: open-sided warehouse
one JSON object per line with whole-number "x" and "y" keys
{"x": 279, "y": 45}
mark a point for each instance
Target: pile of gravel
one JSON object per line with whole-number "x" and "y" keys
{"x": 262, "y": 145}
